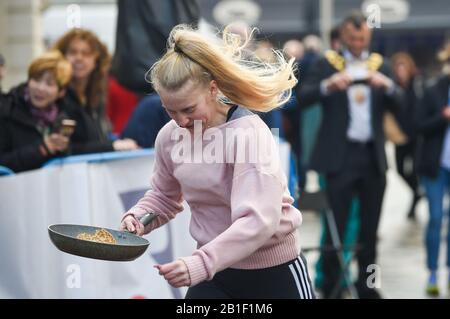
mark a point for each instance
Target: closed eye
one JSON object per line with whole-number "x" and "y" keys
{"x": 169, "y": 111}
{"x": 189, "y": 110}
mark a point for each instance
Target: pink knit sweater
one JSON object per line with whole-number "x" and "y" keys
{"x": 241, "y": 210}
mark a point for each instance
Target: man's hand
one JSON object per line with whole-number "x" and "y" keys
{"x": 176, "y": 273}
{"x": 379, "y": 80}
{"x": 338, "y": 82}
{"x": 446, "y": 112}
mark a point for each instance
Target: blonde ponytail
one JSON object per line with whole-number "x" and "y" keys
{"x": 247, "y": 82}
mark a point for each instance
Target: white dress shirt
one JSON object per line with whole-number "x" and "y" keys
{"x": 359, "y": 98}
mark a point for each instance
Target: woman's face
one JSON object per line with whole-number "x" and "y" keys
{"x": 402, "y": 73}
{"x": 82, "y": 58}
{"x": 191, "y": 103}
{"x": 43, "y": 91}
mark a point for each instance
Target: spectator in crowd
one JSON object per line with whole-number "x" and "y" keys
{"x": 311, "y": 117}
{"x": 264, "y": 52}
{"x": 313, "y": 49}
{"x": 32, "y": 113}
{"x": 244, "y": 31}
{"x": 407, "y": 76}
{"x": 312, "y": 122}
{"x": 291, "y": 113}
{"x": 232, "y": 202}
{"x": 354, "y": 89}
{"x": 294, "y": 48}
{"x": 120, "y": 104}
{"x": 86, "y": 94}
{"x": 312, "y": 43}
{"x": 147, "y": 119}
{"x": 433, "y": 123}
{"x": 2, "y": 71}
{"x": 142, "y": 29}
{"x": 335, "y": 39}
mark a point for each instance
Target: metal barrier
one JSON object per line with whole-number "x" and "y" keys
{"x": 4, "y": 171}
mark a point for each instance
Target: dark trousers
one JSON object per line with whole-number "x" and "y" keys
{"x": 404, "y": 155}
{"x": 286, "y": 281}
{"x": 359, "y": 178}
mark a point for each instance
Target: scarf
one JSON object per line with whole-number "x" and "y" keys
{"x": 44, "y": 117}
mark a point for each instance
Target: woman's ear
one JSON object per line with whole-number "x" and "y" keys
{"x": 213, "y": 89}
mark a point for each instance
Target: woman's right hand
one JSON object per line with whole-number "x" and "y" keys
{"x": 56, "y": 142}
{"x": 131, "y": 224}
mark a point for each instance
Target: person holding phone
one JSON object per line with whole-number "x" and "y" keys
{"x": 354, "y": 88}
{"x": 32, "y": 113}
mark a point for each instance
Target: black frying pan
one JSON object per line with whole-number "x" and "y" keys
{"x": 128, "y": 247}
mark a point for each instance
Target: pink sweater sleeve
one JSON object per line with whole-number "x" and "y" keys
{"x": 256, "y": 208}
{"x": 164, "y": 198}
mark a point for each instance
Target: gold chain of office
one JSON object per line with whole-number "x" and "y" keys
{"x": 373, "y": 62}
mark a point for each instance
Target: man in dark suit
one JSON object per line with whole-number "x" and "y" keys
{"x": 354, "y": 89}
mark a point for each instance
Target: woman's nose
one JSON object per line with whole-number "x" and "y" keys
{"x": 41, "y": 87}
{"x": 78, "y": 57}
{"x": 183, "y": 121}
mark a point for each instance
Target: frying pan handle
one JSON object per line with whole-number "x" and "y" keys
{"x": 147, "y": 218}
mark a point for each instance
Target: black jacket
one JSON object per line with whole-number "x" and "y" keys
{"x": 90, "y": 134}
{"x": 20, "y": 137}
{"x": 407, "y": 115}
{"x": 330, "y": 149}
{"x": 431, "y": 125}
{"x": 147, "y": 120}
{"x": 143, "y": 27}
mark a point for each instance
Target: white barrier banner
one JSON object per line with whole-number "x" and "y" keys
{"x": 88, "y": 194}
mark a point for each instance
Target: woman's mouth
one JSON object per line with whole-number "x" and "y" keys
{"x": 78, "y": 67}
{"x": 38, "y": 98}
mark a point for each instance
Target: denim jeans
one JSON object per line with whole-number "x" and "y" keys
{"x": 435, "y": 190}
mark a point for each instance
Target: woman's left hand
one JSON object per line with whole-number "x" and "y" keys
{"x": 176, "y": 273}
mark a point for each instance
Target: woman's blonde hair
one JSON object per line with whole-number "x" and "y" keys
{"x": 248, "y": 82}
{"x": 53, "y": 62}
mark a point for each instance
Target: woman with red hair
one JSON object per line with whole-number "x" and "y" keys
{"x": 87, "y": 91}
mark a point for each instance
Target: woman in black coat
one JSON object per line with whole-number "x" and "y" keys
{"x": 31, "y": 116}
{"x": 407, "y": 76}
